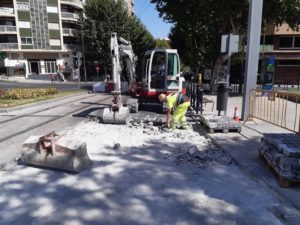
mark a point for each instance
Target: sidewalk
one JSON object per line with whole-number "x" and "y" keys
{"x": 243, "y": 148}
{"x": 24, "y": 80}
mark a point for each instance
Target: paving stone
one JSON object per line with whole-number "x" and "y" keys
{"x": 282, "y": 151}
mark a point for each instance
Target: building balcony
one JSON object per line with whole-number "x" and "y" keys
{"x": 69, "y": 16}
{"x": 69, "y": 32}
{"x": 5, "y": 11}
{"x": 8, "y": 29}
{"x": 75, "y": 3}
{"x": 5, "y": 46}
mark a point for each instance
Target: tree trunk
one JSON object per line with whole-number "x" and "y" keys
{"x": 216, "y": 71}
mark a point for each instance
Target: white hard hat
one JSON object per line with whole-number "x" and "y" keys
{"x": 161, "y": 97}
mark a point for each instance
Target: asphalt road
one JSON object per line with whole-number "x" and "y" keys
{"x": 61, "y": 86}
{"x": 39, "y": 119}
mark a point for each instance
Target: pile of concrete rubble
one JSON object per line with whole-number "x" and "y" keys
{"x": 282, "y": 151}
{"x": 195, "y": 149}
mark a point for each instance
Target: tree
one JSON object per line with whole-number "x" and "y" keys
{"x": 200, "y": 24}
{"x": 161, "y": 43}
{"x": 104, "y": 17}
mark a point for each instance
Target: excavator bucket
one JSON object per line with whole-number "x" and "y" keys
{"x": 118, "y": 117}
{"x": 56, "y": 151}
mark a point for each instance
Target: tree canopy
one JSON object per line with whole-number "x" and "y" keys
{"x": 199, "y": 24}
{"x": 162, "y": 43}
{"x": 104, "y": 17}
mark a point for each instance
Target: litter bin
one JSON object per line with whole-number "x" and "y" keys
{"x": 222, "y": 97}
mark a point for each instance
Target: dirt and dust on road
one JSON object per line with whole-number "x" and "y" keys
{"x": 142, "y": 174}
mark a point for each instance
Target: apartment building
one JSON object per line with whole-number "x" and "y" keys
{"x": 38, "y": 36}
{"x": 283, "y": 44}
{"x": 130, "y": 6}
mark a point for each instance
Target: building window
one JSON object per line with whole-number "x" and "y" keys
{"x": 288, "y": 62}
{"x": 26, "y": 40}
{"x": 50, "y": 66}
{"x": 23, "y": 6}
{"x": 39, "y": 24}
{"x": 289, "y": 42}
{"x": 286, "y": 42}
{"x": 55, "y": 42}
{"x": 53, "y": 26}
{"x": 23, "y": 24}
{"x": 297, "y": 42}
{"x": 52, "y": 9}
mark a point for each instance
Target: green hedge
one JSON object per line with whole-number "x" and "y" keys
{"x": 23, "y": 93}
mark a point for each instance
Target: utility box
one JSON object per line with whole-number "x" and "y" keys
{"x": 222, "y": 96}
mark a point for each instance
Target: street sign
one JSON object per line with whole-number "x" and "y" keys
{"x": 79, "y": 56}
{"x": 230, "y": 43}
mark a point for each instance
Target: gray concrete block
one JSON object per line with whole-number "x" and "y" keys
{"x": 63, "y": 153}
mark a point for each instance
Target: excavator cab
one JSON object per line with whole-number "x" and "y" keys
{"x": 161, "y": 72}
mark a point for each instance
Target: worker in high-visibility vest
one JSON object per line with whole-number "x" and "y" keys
{"x": 180, "y": 104}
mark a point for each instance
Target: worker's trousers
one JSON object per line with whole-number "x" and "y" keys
{"x": 179, "y": 115}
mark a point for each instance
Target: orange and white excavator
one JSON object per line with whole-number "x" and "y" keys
{"x": 160, "y": 74}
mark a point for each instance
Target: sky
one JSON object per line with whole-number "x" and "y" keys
{"x": 150, "y": 18}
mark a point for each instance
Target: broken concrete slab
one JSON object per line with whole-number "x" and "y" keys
{"x": 56, "y": 151}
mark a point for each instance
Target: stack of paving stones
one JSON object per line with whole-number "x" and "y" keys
{"x": 282, "y": 153}
{"x": 223, "y": 124}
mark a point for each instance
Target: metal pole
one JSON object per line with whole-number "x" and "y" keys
{"x": 78, "y": 79}
{"x": 253, "y": 47}
{"x": 228, "y": 68}
{"x": 83, "y": 49}
{"x": 229, "y": 60}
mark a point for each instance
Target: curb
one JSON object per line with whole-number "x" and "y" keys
{"x": 37, "y": 103}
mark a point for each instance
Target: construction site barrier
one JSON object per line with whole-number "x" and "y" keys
{"x": 276, "y": 107}
{"x": 195, "y": 93}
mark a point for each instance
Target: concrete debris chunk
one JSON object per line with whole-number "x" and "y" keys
{"x": 117, "y": 146}
{"x": 56, "y": 151}
{"x": 192, "y": 150}
{"x": 202, "y": 156}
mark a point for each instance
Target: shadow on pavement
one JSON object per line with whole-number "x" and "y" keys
{"x": 131, "y": 186}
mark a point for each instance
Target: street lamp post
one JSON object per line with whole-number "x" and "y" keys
{"x": 253, "y": 47}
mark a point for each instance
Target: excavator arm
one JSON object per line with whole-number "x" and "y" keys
{"x": 117, "y": 113}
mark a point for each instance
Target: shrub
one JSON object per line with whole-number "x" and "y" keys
{"x": 23, "y": 93}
